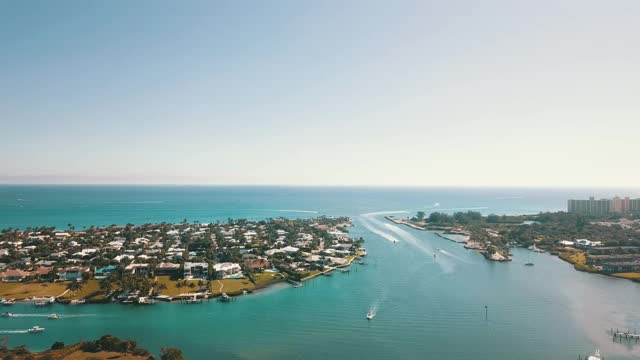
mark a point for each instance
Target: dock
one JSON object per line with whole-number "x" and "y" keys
{"x": 631, "y": 336}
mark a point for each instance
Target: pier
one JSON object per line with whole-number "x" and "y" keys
{"x": 630, "y": 336}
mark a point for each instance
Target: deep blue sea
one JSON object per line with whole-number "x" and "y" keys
{"x": 427, "y": 307}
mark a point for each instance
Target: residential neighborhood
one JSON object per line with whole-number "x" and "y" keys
{"x": 173, "y": 261}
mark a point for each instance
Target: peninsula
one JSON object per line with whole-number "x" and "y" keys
{"x": 185, "y": 261}
{"x": 605, "y": 243}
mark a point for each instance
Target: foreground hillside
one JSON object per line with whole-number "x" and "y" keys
{"x": 107, "y": 347}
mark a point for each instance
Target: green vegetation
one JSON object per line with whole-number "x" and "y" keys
{"x": 107, "y": 347}
{"x": 171, "y": 354}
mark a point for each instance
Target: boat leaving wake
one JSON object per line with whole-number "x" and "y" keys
{"x": 374, "y": 225}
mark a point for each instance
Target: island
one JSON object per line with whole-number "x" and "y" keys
{"x": 604, "y": 243}
{"x": 191, "y": 262}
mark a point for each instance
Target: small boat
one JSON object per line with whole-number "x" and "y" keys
{"x": 77, "y": 302}
{"x": 8, "y": 315}
{"x": 194, "y": 300}
{"x": 529, "y": 263}
{"x": 595, "y": 356}
{"x": 371, "y": 314}
{"x": 7, "y": 302}
{"x": 53, "y": 317}
{"x": 225, "y": 298}
{"x": 344, "y": 270}
{"x": 36, "y": 329}
{"x": 146, "y": 301}
{"x": 40, "y": 303}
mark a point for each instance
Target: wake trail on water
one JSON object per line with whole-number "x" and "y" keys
{"x": 61, "y": 315}
{"x": 14, "y": 331}
{"x": 446, "y": 253}
{"x": 381, "y": 233}
{"x": 376, "y": 226}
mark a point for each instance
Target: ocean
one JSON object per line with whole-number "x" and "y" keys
{"x": 427, "y": 307}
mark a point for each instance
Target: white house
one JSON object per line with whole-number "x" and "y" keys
{"x": 227, "y": 270}
{"x": 196, "y": 270}
{"x": 588, "y": 243}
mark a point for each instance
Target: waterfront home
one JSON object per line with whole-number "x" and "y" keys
{"x": 103, "y": 272}
{"x": 72, "y": 273}
{"x": 137, "y": 269}
{"x": 43, "y": 273}
{"x": 609, "y": 250}
{"x": 227, "y": 270}
{"x": 14, "y": 275}
{"x": 197, "y": 270}
{"x": 168, "y": 269}
{"x": 622, "y": 266}
{"x": 584, "y": 243}
{"x": 258, "y": 263}
{"x": 566, "y": 243}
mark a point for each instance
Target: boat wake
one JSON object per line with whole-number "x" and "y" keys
{"x": 395, "y": 233}
{"x": 379, "y": 232}
{"x": 14, "y": 331}
{"x": 297, "y": 211}
{"x": 47, "y": 315}
{"x": 374, "y": 225}
{"x": 446, "y": 253}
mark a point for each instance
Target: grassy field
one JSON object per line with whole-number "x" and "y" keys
{"x": 574, "y": 256}
{"x": 172, "y": 288}
{"x": 631, "y": 275}
{"x": 90, "y": 291}
{"x": 231, "y": 286}
{"x": 310, "y": 273}
{"x": 266, "y": 278}
{"x": 28, "y": 290}
{"x": 577, "y": 257}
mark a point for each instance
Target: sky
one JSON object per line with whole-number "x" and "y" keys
{"x": 394, "y": 93}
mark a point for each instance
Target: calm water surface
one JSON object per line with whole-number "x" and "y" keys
{"x": 427, "y": 306}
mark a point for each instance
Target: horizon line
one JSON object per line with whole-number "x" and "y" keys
{"x": 529, "y": 186}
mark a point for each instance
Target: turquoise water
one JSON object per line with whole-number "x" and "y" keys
{"x": 427, "y": 307}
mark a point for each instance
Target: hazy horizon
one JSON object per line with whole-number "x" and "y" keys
{"x": 359, "y": 93}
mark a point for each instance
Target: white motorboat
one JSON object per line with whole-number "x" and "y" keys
{"x": 371, "y": 314}
{"x": 36, "y": 329}
{"x": 8, "y": 315}
{"x": 53, "y": 317}
{"x": 595, "y": 356}
{"x": 7, "y": 302}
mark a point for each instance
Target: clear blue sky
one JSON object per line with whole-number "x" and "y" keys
{"x": 321, "y": 92}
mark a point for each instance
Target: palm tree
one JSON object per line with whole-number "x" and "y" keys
{"x": 74, "y": 286}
